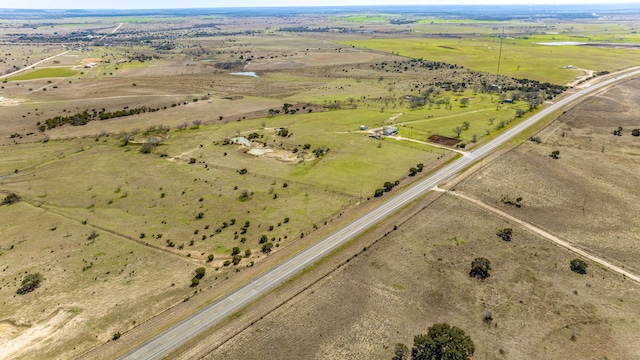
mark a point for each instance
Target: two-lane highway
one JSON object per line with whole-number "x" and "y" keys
{"x": 187, "y": 329}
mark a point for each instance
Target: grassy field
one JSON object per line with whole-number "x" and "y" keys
{"x": 520, "y": 58}
{"x": 44, "y": 73}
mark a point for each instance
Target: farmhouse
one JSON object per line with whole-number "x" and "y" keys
{"x": 389, "y": 131}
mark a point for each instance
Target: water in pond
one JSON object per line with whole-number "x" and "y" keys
{"x": 245, "y": 73}
{"x": 561, "y": 43}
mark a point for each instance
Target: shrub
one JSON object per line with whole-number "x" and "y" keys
{"x": 11, "y": 198}
{"x": 266, "y": 248}
{"x": 480, "y": 268}
{"x": 579, "y": 266}
{"x": 505, "y": 234}
{"x": 210, "y": 258}
{"x": 30, "y": 283}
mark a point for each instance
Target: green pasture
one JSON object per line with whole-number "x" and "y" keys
{"x": 44, "y": 73}
{"x": 422, "y": 123}
{"x": 520, "y": 58}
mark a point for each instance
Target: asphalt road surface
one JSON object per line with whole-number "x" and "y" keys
{"x": 174, "y": 337}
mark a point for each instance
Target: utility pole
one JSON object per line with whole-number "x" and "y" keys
{"x": 500, "y": 53}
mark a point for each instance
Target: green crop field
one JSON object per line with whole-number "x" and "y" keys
{"x": 44, "y": 73}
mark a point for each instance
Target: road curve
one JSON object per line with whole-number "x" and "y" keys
{"x": 179, "y": 334}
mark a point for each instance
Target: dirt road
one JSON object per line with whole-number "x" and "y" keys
{"x": 562, "y": 243}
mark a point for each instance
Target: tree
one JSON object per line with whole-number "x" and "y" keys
{"x": 401, "y": 352}
{"x": 200, "y": 272}
{"x": 480, "y": 268}
{"x": 413, "y": 171}
{"x": 210, "y": 258}
{"x": 442, "y": 342}
{"x": 388, "y": 186}
{"x": 579, "y": 266}
{"x": 464, "y": 101}
{"x": 378, "y": 193}
{"x": 457, "y": 130}
{"x": 30, "y": 283}
{"x": 466, "y": 125}
{"x": 555, "y": 154}
{"x": 235, "y": 251}
{"x": 635, "y": 132}
{"x": 266, "y": 248}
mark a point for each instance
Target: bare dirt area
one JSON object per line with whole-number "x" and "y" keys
{"x": 418, "y": 276}
{"x": 443, "y": 140}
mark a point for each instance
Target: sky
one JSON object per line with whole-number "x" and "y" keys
{"x": 169, "y": 4}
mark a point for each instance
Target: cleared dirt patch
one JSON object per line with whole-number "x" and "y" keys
{"x": 443, "y": 140}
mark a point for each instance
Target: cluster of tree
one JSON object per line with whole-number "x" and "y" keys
{"x": 388, "y": 186}
{"x": 441, "y": 342}
{"x": 399, "y": 65}
{"x": 415, "y": 170}
{"x": 308, "y": 29}
{"x": 199, "y": 274}
{"x": 229, "y": 65}
{"x": 320, "y": 152}
{"x": 140, "y": 57}
{"x": 84, "y": 117}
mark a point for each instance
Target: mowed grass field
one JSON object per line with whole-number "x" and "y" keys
{"x": 44, "y": 73}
